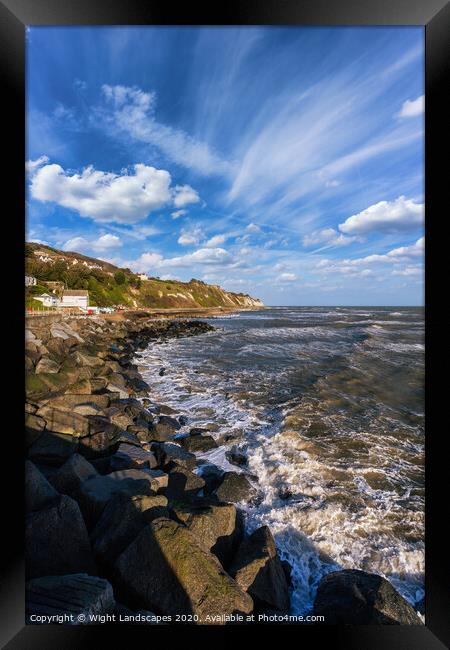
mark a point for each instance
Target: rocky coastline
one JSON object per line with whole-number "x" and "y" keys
{"x": 123, "y": 522}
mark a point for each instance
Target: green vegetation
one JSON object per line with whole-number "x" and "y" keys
{"x": 119, "y": 277}
{"x": 108, "y": 285}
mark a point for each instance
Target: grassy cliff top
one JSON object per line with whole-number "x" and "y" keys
{"x": 110, "y": 285}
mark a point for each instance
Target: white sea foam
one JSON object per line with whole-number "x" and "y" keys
{"x": 355, "y": 498}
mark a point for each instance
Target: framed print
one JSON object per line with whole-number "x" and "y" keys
{"x": 232, "y": 322}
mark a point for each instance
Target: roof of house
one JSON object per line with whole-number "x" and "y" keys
{"x": 76, "y": 292}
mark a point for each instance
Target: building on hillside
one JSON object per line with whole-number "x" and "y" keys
{"x": 75, "y": 298}
{"x": 30, "y": 281}
{"x": 47, "y": 300}
{"x": 143, "y": 276}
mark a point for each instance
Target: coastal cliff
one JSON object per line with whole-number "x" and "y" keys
{"x": 108, "y": 284}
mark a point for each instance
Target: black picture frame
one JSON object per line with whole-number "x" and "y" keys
{"x": 434, "y": 16}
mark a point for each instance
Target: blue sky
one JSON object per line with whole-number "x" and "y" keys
{"x": 283, "y": 162}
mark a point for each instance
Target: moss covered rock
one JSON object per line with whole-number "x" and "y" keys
{"x": 166, "y": 569}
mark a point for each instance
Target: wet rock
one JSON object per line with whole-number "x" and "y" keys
{"x": 353, "y": 597}
{"x": 197, "y": 431}
{"x": 169, "y": 422}
{"x": 34, "y": 426}
{"x": 52, "y": 448}
{"x": 258, "y": 570}
{"x": 165, "y": 569}
{"x": 63, "y": 421}
{"x": 236, "y": 457}
{"x": 119, "y": 391}
{"x": 76, "y": 594}
{"x": 69, "y": 477}
{"x": 72, "y": 400}
{"x": 119, "y": 417}
{"x": 285, "y": 493}
{"x": 183, "y": 484}
{"x": 198, "y": 443}
{"x": 212, "y": 475}
{"x": 38, "y": 491}
{"x": 169, "y": 452}
{"x": 159, "y": 479}
{"x": 161, "y": 372}
{"x": 183, "y": 420}
{"x": 132, "y": 457}
{"x": 120, "y": 523}
{"x": 287, "y": 568}
{"x": 218, "y": 527}
{"x": 143, "y": 434}
{"x": 83, "y": 359}
{"x": 30, "y": 408}
{"x": 95, "y": 492}
{"x": 234, "y": 487}
{"x": 56, "y": 541}
{"x": 57, "y": 348}
{"x": 104, "y": 438}
{"x": 47, "y": 364}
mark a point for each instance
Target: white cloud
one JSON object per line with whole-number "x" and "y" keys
{"x": 190, "y": 237}
{"x": 183, "y": 195}
{"x": 413, "y": 250}
{"x": 287, "y": 277}
{"x": 328, "y": 236}
{"x": 133, "y": 112}
{"x": 178, "y": 213}
{"x": 142, "y": 232}
{"x": 101, "y": 244}
{"x": 413, "y": 107}
{"x": 32, "y": 166}
{"x": 252, "y": 227}
{"x": 400, "y": 255}
{"x": 408, "y": 271}
{"x": 104, "y": 196}
{"x": 400, "y": 215}
{"x": 106, "y": 242}
{"x": 215, "y": 241}
{"x": 202, "y": 256}
{"x": 79, "y": 84}
{"x": 149, "y": 260}
{"x": 319, "y": 236}
{"x": 76, "y": 244}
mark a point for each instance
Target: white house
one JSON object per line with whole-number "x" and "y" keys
{"x": 30, "y": 281}
{"x": 143, "y": 276}
{"x": 75, "y": 298}
{"x": 47, "y": 300}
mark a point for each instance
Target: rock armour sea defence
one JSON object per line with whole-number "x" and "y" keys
{"x": 121, "y": 516}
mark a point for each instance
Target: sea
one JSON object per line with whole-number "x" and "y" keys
{"x": 328, "y": 405}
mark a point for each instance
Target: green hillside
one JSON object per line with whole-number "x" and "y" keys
{"x": 109, "y": 285}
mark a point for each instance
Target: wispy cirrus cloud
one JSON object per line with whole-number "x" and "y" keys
{"x": 133, "y": 111}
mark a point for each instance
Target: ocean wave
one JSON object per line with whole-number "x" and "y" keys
{"x": 337, "y": 454}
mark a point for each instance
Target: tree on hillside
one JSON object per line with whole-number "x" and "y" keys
{"x": 119, "y": 277}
